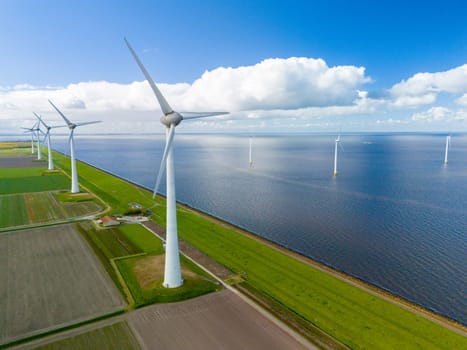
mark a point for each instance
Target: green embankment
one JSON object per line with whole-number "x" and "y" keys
{"x": 353, "y": 316}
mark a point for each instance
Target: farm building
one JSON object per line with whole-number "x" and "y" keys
{"x": 108, "y": 221}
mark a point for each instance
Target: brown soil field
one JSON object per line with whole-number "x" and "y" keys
{"x": 215, "y": 321}
{"x": 50, "y": 279}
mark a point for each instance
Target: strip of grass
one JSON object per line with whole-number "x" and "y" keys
{"x": 113, "y": 337}
{"x": 13, "y": 211}
{"x": 10, "y": 173}
{"x": 33, "y": 184}
{"x": 111, "y": 241}
{"x": 194, "y": 284}
{"x": 142, "y": 238}
{"x": 355, "y": 317}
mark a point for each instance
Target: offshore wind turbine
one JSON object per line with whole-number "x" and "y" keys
{"x": 72, "y": 126}
{"x": 448, "y": 143}
{"x": 47, "y": 137}
{"x": 250, "y": 159}
{"x": 170, "y": 119}
{"x": 337, "y": 142}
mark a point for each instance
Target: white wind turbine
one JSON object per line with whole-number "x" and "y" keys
{"x": 250, "y": 159}
{"x": 338, "y": 142}
{"x": 37, "y": 131}
{"x": 32, "y": 131}
{"x": 448, "y": 143}
{"x": 72, "y": 126}
{"x": 47, "y": 137}
{"x": 172, "y": 273}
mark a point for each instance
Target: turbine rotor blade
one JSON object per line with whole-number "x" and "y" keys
{"x": 63, "y": 116}
{"x": 194, "y": 115}
{"x": 166, "y": 109}
{"x": 45, "y": 136}
{"x": 86, "y": 123}
{"x": 40, "y": 119}
{"x": 168, "y": 144}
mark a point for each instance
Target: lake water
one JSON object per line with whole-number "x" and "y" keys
{"x": 395, "y": 216}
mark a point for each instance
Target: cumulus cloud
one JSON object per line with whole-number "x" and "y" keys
{"x": 423, "y": 88}
{"x": 292, "y": 86}
{"x": 291, "y": 83}
{"x": 437, "y": 114}
{"x": 462, "y": 100}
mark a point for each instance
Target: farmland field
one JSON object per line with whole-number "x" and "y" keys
{"x": 50, "y": 272}
{"x": 114, "y": 337}
{"x": 34, "y": 184}
{"x": 39, "y": 207}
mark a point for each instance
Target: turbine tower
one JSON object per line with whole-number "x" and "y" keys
{"x": 47, "y": 137}
{"x": 31, "y": 130}
{"x": 338, "y": 140}
{"x": 72, "y": 126}
{"x": 250, "y": 159}
{"x": 37, "y": 131}
{"x": 448, "y": 143}
{"x": 170, "y": 119}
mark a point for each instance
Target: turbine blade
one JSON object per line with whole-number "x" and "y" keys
{"x": 166, "y": 109}
{"x": 40, "y": 119}
{"x": 63, "y": 116}
{"x": 45, "y": 136}
{"x": 194, "y": 115}
{"x": 86, "y": 123}
{"x": 69, "y": 138}
{"x": 168, "y": 144}
{"x": 341, "y": 147}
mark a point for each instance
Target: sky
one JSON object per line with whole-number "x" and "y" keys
{"x": 276, "y": 66}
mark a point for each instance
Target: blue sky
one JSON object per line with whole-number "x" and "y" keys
{"x": 57, "y": 49}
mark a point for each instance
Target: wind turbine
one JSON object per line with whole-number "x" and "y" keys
{"x": 170, "y": 119}
{"x": 338, "y": 140}
{"x": 72, "y": 126}
{"x": 37, "y": 131}
{"x": 250, "y": 159}
{"x": 31, "y": 130}
{"x": 448, "y": 143}
{"x": 47, "y": 137}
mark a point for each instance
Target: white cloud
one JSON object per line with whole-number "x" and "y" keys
{"x": 283, "y": 87}
{"x": 438, "y": 114}
{"x": 423, "y": 88}
{"x": 276, "y": 84}
{"x": 462, "y": 100}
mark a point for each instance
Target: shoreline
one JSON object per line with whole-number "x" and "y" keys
{"x": 387, "y": 295}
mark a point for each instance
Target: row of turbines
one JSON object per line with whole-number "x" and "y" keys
{"x": 170, "y": 119}
{"x": 338, "y": 145}
{"x": 36, "y": 132}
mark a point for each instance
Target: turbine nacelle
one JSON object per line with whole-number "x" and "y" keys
{"x": 173, "y": 118}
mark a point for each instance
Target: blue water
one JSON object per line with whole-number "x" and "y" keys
{"x": 395, "y": 216}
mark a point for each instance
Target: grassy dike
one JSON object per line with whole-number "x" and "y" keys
{"x": 350, "y": 314}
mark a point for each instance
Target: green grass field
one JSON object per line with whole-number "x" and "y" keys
{"x": 31, "y": 179}
{"x": 114, "y": 337}
{"x": 39, "y": 207}
{"x": 13, "y": 211}
{"x": 142, "y": 238}
{"x": 351, "y": 315}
